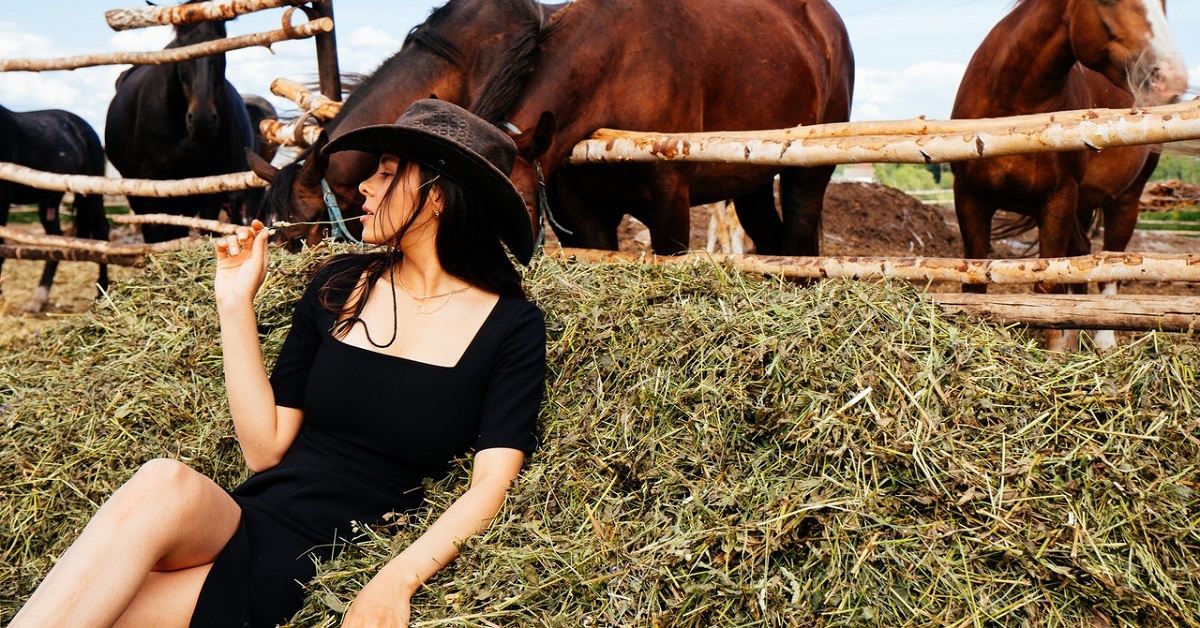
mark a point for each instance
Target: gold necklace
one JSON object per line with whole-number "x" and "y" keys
{"x": 419, "y": 307}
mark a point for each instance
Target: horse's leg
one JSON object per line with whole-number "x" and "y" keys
{"x": 1120, "y": 219}
{"x": 5, "y": 200}
{"x": 975, "y": 226}
{"x": 48, "y": 211}
{"x": 210, "y": 206}
{"x": 669, "y": 213}
{"x": 802, "y": 193}
{"x": 1059, "y": 235}
{"x": 142, "y": 205}
{"x": 166, "y": 518}
{"x": 760, "y": 219}
{"x": 92, "y": 222}
{"x": 591, "y": 225}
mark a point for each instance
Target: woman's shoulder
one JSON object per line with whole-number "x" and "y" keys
{"x": 521, "y": 316}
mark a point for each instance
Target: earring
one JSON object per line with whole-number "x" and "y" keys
{"x": 437, "y": 214}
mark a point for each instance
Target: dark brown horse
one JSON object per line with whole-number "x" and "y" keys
{"x": 1058, "y": 55}
{"x": 681, "y": 66}
{"x": 53, "y": 141}
{"x": 460, "y": 47}
{"x": 176, "y": 121}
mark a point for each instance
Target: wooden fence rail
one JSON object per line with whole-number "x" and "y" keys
{"x": 82, "y": 184}
{"x": 126, "y": 19}
{"x": 172, "y": 55}
{"x": 977, "y": 139}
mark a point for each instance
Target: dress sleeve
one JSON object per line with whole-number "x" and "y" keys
{"x": 514, "y": 396}
{"x": 290, "y": 375}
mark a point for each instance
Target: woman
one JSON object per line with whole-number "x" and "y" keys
{"x": 396, "y": 363}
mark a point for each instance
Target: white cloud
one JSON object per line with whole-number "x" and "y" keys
{"x": 925, "y": 88}
{"x": 15, "y": 42}
{"x": 371, "y": 37}
{"x": 141, "y": 40}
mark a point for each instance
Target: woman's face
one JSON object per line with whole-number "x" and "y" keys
{"x": 384, "y": 214}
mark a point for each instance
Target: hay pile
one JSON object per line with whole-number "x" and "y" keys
{"x": 721, "y": 450}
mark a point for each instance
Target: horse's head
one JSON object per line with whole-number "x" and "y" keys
{"x": 1129, "y": 42}
{"x": 295, "y": 194}
{"x": 202, "y": 79}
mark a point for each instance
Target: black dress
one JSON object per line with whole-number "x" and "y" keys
{"x": 374, "y": 427}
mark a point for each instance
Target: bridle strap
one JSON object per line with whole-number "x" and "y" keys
{"x": 335, "y": 214}
{"x": 543, "y": 208}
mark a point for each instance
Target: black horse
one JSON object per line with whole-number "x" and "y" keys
{"x": 245, "y": 204}
{"x": 176, "y": 121}
{"x": 53, "y": 141}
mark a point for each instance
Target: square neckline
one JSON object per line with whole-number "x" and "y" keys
{"x": 474, "y": 339}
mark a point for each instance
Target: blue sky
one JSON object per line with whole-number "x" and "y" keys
{"x": 909, "y": 54}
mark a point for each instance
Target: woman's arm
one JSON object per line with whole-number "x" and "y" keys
{"x": 384, "y": 601}
{"x": 264, "y": 430}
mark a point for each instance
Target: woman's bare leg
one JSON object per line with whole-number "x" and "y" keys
{"x": 167, "y": 517}
{"x": 166, "y": 599}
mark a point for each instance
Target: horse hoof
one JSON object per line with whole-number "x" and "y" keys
{"x": 1062, "y": 340}
{"x": 1104, "y": 340}
{"x": 37, "y": 303}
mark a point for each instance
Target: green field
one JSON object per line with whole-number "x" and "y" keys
{"x": 1177, "y": 220}
{"x": 27, "y": 214}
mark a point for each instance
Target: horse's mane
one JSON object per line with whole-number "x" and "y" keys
{"x": 501, "y": 89}
{"x": 422, "y": 33}
{"x": 518, "y": 59}
{"x": 188, "y": 34}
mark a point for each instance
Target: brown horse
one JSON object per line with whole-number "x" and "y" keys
{"x": 460, "y": 47}
{"x": 1057, "y": 55}
{"x": 680, "y": 66}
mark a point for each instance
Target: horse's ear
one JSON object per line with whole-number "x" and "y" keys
{"x": 543, "y": 134}
{"x": 260, "y": 166}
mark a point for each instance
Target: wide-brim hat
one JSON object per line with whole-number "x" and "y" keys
{"x": 462, "y": 146}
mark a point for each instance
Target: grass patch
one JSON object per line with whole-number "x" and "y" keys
{"x": 720, "y": 450}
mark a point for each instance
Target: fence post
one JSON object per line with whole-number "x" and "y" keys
{"x": 327, "y": 59}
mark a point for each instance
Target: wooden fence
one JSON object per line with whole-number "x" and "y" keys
{"x": 902, "y": 141}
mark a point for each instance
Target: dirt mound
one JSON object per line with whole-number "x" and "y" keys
{"x": 873, "y": 219}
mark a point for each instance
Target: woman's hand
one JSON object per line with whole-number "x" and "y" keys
{"x": 241, "y": 264}
{"x": 378, "y": 605}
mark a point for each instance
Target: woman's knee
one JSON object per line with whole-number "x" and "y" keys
{"x": 169, "y": 485}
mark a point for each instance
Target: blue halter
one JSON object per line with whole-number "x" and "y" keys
{"x": 335, "y": 214}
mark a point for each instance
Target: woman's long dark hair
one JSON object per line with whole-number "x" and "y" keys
{"x": 468, "y": 247}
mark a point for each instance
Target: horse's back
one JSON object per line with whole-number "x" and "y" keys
{"x": 757, "y": 63}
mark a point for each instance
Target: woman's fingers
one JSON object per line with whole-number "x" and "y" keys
{"x": 233, "y": 244}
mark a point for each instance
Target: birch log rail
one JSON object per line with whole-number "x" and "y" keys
{"x": 965, "y": 140}
{"x": 126, "y": 19}
{"x": 202, "y": 224}
{"x": 320, "y": 106}
{"x": 99, "y": 247}
{"x": 290, "y": 133}
{"x": 81, "y": 184}
{"x": 171, "y": 55}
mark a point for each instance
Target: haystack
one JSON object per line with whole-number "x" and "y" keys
{"x": 720, "y": 450}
